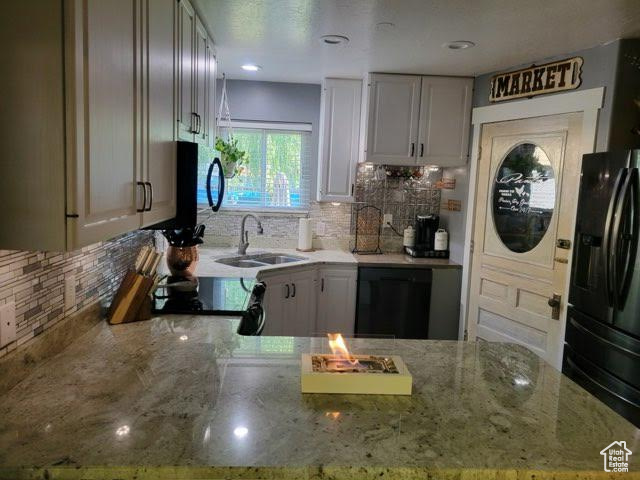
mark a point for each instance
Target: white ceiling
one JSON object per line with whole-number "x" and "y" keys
{"x": 283, "y": 35}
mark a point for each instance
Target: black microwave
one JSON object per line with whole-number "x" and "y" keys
{"x": 193, "y": 187}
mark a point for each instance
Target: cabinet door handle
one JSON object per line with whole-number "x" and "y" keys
{"x": 352, "y": 187}
{"x": 322, "y": 284}
{"x": 293, "y": 295}
{"x": 422, "y": 149}
{"x": 150, "y": 185}
{"x": 194, "y": 122}
{"x": 413, "y": 149}
{"x": 144, "y": 197}
{"x": 288, "y": 292}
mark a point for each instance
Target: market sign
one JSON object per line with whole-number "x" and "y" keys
{"x": 537, "y": 80}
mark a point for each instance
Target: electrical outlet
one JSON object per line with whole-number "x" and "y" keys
{"x": 7, "y": 323}
{"x": 388, "y": 219}
{"x": 69, "y": 292}
{"x": 321, "y": 228}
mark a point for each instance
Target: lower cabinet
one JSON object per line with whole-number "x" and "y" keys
{"x": 290, "y": 303}
{"x": 310, "y": 301}
{"x": 336, "y": 309}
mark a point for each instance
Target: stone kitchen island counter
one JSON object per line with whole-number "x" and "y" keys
{"x": 185, "y": 397}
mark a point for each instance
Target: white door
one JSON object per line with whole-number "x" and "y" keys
{"x": 105, "y": 161}
{"x": 340, "y": 139}
{"x": 392, "y": 130}
{"x": 445, "y": 116}
{"x": 276, "y": 298}
{"x": 159, "y": 150}
{"x": 336, "y": 309}
{"x": 528, "y": 176}
{"x": 301, "y": 315}
{"x": 201, "y": 81}
{"x": 186, "y": 70}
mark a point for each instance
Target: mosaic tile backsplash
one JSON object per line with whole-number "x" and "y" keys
{"x": 34, "y": 281}
{"x": 404, "y": 198}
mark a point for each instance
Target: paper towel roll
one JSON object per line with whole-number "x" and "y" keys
{"x": 305, "y": 239}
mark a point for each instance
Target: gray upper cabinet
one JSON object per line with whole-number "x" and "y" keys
{"x": 445, "y": 114}
{"x": 392, "y": 130}
{"x": 159, "y": 148}
{"x": 201, "y": 82}
{"x": 104, "y": 160}
{"x": 195, "y": 53}
{"x": 418, "y": 120}
{"x": 210, "y": 111}
{"x": 339, "y": 139}
{"x": 105, "y": 192}
{"x": 186, "y": 38}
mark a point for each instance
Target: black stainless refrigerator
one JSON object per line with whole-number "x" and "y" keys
{"x": 602, "y": 339}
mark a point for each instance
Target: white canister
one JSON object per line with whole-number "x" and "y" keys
{"x": 409, "y": 238}
{"x": 441, "y": 240}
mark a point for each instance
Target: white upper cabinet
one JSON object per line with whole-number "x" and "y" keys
{"x": 106, "y": 189}
{"x": 159, "y": 149}
{"x": 418, "y": 120}
{"x": 445, "y": 113}
{"x": 339, "y": 139}
{"x": 392, "y": 130}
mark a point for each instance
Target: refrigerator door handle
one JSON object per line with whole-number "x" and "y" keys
{"x": 606, "y": 250}
{"x": 620, "y": 284}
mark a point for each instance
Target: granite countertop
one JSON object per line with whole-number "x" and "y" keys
{"x": 207, "y": 264}
{"x": 185, "y": 397}
{"x": 403, "y": 261}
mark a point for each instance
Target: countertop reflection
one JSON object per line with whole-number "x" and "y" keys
{"x": 187, "y": 391}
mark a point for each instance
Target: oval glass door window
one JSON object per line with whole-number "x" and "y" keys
{"x": 524, "y": 196}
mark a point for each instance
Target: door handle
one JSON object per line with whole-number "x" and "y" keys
{"x": 413, "y": 149}
{"x": 294, "y": 290}
{"x": 422, "y": 149}
{"x": 606, "y": 244}
{"x": 144, "y": 197}
{"x": 554, "y": 303}
{"x": 619, "y": 285}
{"x": 150, "y": 195}
{"x": 288, "y": 291}
{"x": 322, "y": 284}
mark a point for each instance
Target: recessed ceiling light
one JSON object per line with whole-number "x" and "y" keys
{"x": 459, "y": 45}
{"x": 249, "y": 67}
{"x": 334, "y": 39}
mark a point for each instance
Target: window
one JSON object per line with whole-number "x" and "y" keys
{"x": 277, "y": 175}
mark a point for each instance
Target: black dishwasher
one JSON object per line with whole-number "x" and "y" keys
{"x": 394, "y": 301}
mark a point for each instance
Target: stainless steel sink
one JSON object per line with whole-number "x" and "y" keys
{"x": 276, "y": 259}
{"x": 259, "y": 260}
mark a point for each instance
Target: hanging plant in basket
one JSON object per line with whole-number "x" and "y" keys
{"x": 231, "y": 156}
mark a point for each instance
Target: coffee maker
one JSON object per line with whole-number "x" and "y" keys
{"x": 424, "y": 245}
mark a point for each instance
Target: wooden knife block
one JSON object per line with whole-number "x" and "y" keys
{"x": 131, "y": 302}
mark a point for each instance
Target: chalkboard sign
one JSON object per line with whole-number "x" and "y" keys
{"x": 524, "y": 194}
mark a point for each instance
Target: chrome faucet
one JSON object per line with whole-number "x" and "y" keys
{"x": 244, "y": 235}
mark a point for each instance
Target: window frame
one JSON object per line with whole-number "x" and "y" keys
{"x": 272, "y": 126}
